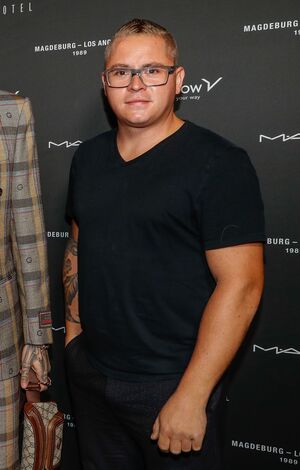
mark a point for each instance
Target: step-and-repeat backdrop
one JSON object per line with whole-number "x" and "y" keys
{"x": 242, "y": 81}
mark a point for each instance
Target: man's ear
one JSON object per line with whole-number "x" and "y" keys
{"x": 103, "y": 83}
{"x": 180, "y": 74}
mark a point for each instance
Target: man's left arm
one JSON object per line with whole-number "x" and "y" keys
{"x": 238, "y": 272}
{"x": 30, "y": 252}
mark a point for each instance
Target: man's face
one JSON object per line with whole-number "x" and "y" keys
{"x": 138, "y": 105}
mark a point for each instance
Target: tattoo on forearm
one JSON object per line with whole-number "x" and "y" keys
{"x": 72, "y": 247}
{"x": 70, "y": 280}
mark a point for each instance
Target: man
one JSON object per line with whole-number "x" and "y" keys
{"x": 164, "y": 270}
{"x": 25, "y": 321}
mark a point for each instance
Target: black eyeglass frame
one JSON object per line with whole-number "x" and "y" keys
{"x": 170, "y": 69}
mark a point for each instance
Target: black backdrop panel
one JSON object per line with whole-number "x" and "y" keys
{"x": 242, "y": 81}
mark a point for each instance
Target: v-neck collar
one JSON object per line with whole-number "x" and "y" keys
{"x": 148, "y": 153}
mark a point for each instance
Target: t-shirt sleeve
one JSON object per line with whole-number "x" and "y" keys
{"x": 232, "y": 211}
{"x": 70, "y": 210}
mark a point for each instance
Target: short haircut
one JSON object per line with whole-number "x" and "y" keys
{"x": 142, "y": 26}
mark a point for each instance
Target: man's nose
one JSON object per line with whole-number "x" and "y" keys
{"x": 136, "y": 82}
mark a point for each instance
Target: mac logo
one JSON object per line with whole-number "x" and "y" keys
{"x": 65, "y": 144}
{"x": 276, "y": 349}
{"x": 281, "y": 137}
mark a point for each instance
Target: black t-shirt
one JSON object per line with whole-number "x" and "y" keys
{"x": 144, "y": 226}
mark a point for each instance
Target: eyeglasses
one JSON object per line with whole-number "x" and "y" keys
{"x": 120, "y": 77}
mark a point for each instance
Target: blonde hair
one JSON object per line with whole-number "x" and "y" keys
{"x": 142, "y": 26}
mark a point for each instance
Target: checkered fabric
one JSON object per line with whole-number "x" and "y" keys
{"x": 9, "y": 423}
{"x": 24, "y": 290}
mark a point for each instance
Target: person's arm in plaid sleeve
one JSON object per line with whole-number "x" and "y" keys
{"x": 31, "y": 252}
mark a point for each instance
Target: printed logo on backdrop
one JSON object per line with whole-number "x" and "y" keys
{"x": 75, "y": 48}
{"x": 57, "y": 234}
{"x": 285, "y": 456}
{"x": 275, "y": 350}
{"x": 69, "y": 420}
{"x": 60, "y": 328}
{"x": 279, "y": 137}
{"x": 16, "y": 8}
{"x": 195, "y": 91}
{"x": 66, "y": 144}
{"x": 285, "y": 245}
{"x": 290, "y": 25}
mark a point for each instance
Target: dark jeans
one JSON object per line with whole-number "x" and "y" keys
{"x": 114, "y": 421}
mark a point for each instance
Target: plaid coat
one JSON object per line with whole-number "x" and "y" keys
{"x": 24, "y": 289}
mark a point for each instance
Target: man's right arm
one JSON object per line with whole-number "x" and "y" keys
{"x": 70, "y": 281}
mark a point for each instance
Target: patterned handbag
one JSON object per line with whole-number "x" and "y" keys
{"x": 42, "y": 439}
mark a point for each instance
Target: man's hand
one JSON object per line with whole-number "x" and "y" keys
{"x": 33, "y": 394}
{"x": 180, "y": 425}
{"x": 35, "y": 360}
